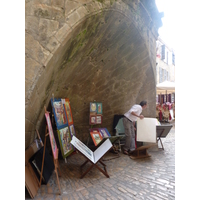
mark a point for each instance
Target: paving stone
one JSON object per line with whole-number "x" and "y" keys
{"x": 99, "y": 197}
{"x": 122, "y": 190}
{"x": 163, "y": 181}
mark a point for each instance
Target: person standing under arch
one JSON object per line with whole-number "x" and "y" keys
{"x": 129, "y": 120}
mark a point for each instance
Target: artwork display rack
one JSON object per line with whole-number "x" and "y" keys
{"x": 96, "y": 113}
{"x": 99, "y": 135}
{"x": 141, "y": 152}
{"x": 61, "y": 111}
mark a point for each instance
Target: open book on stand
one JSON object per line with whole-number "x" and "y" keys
{"x": 92, "y": 156}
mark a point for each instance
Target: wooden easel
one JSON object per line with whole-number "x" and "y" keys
{"x": 56, "y": 164}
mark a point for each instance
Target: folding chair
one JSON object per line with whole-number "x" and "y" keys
{"x": 120, "y": 132}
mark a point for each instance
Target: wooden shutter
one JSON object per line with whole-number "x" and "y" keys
{"x": 163, "y": 52}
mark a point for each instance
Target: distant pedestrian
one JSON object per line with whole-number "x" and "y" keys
{"x": 129, "y": 120}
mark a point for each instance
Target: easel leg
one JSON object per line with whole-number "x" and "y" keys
{"x": 56, "y": 164}
{"x": 43, "y": 157}
{"x": 59, "y": 174}
{"x": 57, "y": 179}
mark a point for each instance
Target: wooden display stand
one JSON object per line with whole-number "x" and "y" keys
{"x": 93, "y": 165}
{"x": 162, "y": 131}
{"x": 93, "y": 157}
{"x": 55, "y": 159}
{"x": 141, "y": 152}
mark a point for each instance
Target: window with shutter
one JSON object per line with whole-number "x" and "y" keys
{"x": 160, "y": 74}
{"x": 163, "y": 51}
{"x": 167, "y": 57}
{"x": 165, "y": 75}
{"x": 173, "y": 59}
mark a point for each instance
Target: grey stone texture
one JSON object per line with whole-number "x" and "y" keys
{"x": 87, "y": 50}
{"x": 150, "y": 178}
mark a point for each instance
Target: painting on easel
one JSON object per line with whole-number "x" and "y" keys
{"x": 59, "y": 113}
{"x": 68, "y": 111}
{"x": 64, "y": 139}
{"x": 54, "y": 148}
{"x": 51, "y": 136}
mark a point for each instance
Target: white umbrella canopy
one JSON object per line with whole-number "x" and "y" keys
{"x": 165, "y": 86}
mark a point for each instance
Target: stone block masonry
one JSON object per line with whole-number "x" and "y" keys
{"x": 87, "y": 50}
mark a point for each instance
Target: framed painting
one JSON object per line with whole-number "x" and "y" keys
{"x": 59, "y": 113}
{"x": 68, "y": 111}
{"x": 96, "y": 136}
{"x": 51, "y": 136}
{"x": 98, "y": 119}
{"x": 104, "y": 132}
{"x": 64, "y": 139}
{"x": 93, "y": 107}
{"x": 99, "y": 108}
{"x": 92, "y": 119}
{"x": 72, "y": 130}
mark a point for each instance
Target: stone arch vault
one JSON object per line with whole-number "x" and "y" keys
{"x": 87, "y": 50}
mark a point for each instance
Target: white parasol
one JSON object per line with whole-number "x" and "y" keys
{"x": 165, "y": 87}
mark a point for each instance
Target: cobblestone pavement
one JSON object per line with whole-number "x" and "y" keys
{"x": 148, "y": 178}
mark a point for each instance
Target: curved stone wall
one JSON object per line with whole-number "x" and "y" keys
{"x": 87, "y": 50}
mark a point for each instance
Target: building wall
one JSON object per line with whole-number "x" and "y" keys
{"x": 165, "y": 66}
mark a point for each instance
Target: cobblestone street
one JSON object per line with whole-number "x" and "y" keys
{"x": 149, "y": 178}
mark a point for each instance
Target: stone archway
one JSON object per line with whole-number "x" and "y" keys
{"x": 100, "y": 55}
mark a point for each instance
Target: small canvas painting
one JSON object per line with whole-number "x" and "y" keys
{"x": 68, "y": 111}
{"x": 93, "y": 107}
{"x": 92, "y": 119}
{"x": 104, "y": 132}
{"x": 96, "y": 136}
{"x": 64, "y": 139}
{"x": 59, "y": 113}
{"x": 99, "y": 108}
{"x": 98, "y": 119}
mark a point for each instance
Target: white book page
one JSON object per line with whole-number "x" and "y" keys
{"x": 82, "y": 148}
{"x": 146, "y": 130}
{"x": 102, "y": 149}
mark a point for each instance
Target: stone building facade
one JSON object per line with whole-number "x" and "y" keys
{"x": 85, "y": 50}
{"x": 165, "y": 62}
